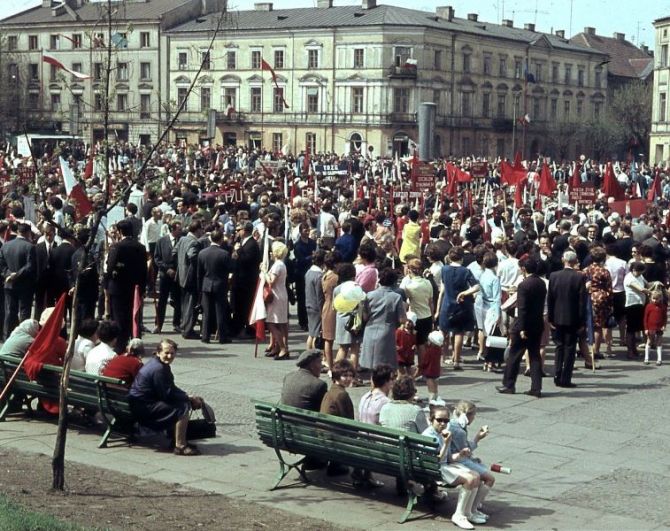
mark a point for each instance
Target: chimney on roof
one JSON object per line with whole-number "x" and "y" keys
{"x": 645, "y": 48}
{"x": 445, "y": 12}
{"x": 369, "y": 4}
{"x": 324, "y": 4}
{"x": 560, "y": 34}
{"x": 619, "y": 36}
{"x": 589, "y": 30}
{"x": 508, "y": 23}
{"x": 46, "y": 3}
{"x": 529, "y": 27}
{"x": 263, "y": 6}
{"x": 473, "y": 17}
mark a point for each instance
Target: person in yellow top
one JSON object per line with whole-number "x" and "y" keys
{"x": 411, "y": 237}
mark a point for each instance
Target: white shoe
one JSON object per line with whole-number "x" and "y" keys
{"x": 658, "y": 363}
{"x": 461, "y": 521}
{"x": 480, "y": 514}
{"x": 476, "y": 518}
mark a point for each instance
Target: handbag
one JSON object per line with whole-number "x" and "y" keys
{"x": 204, "y": 428}
{"x": 455, "y": 315}
{"x": 268, "y": 296}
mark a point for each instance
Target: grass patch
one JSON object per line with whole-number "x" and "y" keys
{"x": 15, "y": 518}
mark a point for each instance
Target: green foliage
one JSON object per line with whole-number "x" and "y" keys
{"x": 631, "y": 107}
{"x": 16, "y": 518}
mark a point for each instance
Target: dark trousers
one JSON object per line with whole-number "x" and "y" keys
{"x": 168, "y": 287}
{"x": 215, "y": 313}
{"x": 565, "y": 338}
{"x": 188, "y": 316}
{"x": 518, "y": 346}
{"x": 242, "y": 296}
{"x": 18, "y": 304}
{"x": 122, "y": 312}
{"x": 300, "y": 299}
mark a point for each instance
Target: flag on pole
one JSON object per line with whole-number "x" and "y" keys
{"x": 48, "y": 345}
{"x": 576, "y": 180}
{"x": 258, "y": 312}
{"x": 611, "y": 187}
{"x": 75, "y": 193}
{"x": 61, "y": 66}
{"x": 655, "y": 188}
{"x": 266, "y": 66}
{"x": 547, "y": 183}
{"x": 137, "y": 312}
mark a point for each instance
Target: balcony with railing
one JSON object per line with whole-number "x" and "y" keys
{"x": 406, "y": 71}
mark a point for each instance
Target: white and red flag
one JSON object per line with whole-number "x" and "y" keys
{"x": 61, "y": 66}
{"x": 75, "y": 193}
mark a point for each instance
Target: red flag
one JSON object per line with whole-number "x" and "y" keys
{"x": 266, "y": 66}
{"x": 512, "y": 174}
{"x": 518, "y": 193}
{"x": 294, "y": 190}
{"x": 611, "y": 187}
{"x": 137, "y": 307}
{"x": 655, "y": 189}
{"x": 463, "y": 176}
{"x": 547, "y": 182}
{"x": 576, "y": 179}
{"x": 452, "y": 181}
{"x": 88, "y": 170}
{"x": 48, "y": 346}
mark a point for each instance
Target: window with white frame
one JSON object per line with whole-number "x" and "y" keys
{"x": 312, "y": 100}
{"x": 228, "y": 98}
{"x": 357, "y": 100}
{"x": 145, "y": 39}
{"x": 277, "y": 142}
{"x": 182, "y": 94}
{"x": 256, "y": 99}
{"x": 401, "y": 54}
{"x": 182, "y": 60}
{"x": 231, "y": 60}
{"x": 122, "y": 102}
{"x": 122, "y": 71}
{"x": 145, "y": 105}
{"x": 205, "y": 98}
{"x": 278, "y": 99}
{"x": 312, "y": 58}
{"x": 145, "y": 71}
{"x": 359, "y": 57}
{"x": 255, "y": 59}
{"x": 278, "y": 59}
{"x": 401, "y": 99}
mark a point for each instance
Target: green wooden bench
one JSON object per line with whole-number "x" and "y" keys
{"x": 404, "y": 455}
{"x": 108, "y": 396}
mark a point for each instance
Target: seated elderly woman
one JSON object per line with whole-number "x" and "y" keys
{"x": 126, "y": 366}
{"x": 20, "y": 339}
{"x": 157, "y": 403}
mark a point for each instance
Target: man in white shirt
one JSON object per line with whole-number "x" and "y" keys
{"x": 84, "y": 343}
{"x": 327, "y": 223}
{"x": 618, "y": 269}
{"x": 100, "y": 355}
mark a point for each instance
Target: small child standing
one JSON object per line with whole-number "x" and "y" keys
{"x": 405, "y": 341}
{"x": 429, "y": 365}
{"x": 655, "y": 318}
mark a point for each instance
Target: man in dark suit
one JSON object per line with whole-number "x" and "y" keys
{"x": 566, "y": 303}
{"x": 186, "y": 252}
{"x": 214, "y": 266}
{"x": 88, "y": 273}
{"x": 44, "y": 268}
{"x": 17, "y": 266}
{"x": 61, "y": 257}
{"x": 168, "y": 287}
{"x": 127, "y": 268}
{"x": 526, "y": 331}
{"x": 247, "y": 260}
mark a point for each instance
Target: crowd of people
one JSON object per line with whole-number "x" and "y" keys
{"x": 386, "y": 281}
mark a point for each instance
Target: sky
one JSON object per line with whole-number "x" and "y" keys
{"x": 607, "y": 16}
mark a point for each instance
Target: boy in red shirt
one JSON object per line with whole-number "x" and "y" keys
{"x": 655, "y": 318}
{"x": 430, "y": 365}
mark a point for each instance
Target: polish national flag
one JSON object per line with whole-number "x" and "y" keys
{"x": 61, "y": 66}
{"x": 75, "y": 193}
{"x": 258, "y": 312}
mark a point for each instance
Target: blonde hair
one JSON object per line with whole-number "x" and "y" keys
{"x": 279, "y": 250}
{"x": 465, "y": 406}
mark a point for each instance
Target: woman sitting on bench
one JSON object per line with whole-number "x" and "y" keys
{"x": 460, "y": 451}
{"x": 157, "y": 403}
{"x": 454, "y": 473}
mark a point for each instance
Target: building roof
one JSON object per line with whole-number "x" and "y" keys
{"x": 626, "y": 59}
{"x": 355, "y": 16}
{"x": 93, "y": 11}
{"x": 662, "y": 21}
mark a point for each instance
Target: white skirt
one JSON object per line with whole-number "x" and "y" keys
{"x": 453, "y": 471}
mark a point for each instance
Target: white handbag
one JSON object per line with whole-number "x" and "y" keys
{"x": 496, "y": 342}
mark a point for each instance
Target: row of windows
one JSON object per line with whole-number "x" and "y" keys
{"x": 75, "y": 40}
{"x": 120, "y": 104}
{"x": 121, "y": 71}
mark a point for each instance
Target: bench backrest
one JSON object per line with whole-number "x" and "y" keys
{"x": 109, "y": 395}
{"x": 385, "y": 450}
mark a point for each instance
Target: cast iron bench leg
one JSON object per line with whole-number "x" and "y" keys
{"x": 411, "y": 502}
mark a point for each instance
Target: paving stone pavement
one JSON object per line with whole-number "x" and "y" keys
{"x": 594, "y": 457}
